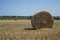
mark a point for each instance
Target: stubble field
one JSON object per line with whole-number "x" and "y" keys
{"x": 22, "y": 30}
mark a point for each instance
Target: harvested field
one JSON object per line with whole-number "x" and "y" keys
{"x": 22, "y": 30}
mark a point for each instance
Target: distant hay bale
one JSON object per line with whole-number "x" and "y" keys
{"x": 42, "y": 19}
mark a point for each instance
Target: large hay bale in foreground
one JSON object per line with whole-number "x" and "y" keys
{"x": 42, "y": 19}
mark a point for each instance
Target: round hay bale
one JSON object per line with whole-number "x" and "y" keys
{"x": 42, "y": 19}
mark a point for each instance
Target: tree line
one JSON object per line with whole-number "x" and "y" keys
{"x": 22, "y": 17}
{"x": 14, "y": 17}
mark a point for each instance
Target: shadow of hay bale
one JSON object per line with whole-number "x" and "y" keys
{"x": 29, "y": 28}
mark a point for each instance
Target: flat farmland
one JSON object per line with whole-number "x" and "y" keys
{"x": 22, "y": 30}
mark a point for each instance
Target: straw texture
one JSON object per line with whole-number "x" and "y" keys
{"x": 42, "y": 19}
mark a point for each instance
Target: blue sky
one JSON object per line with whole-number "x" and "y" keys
{"x": 28, "y": 7}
